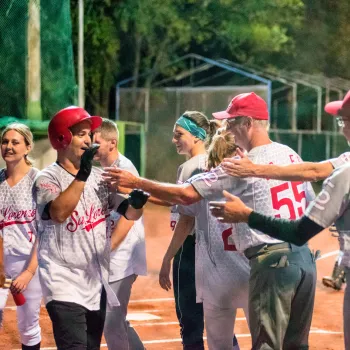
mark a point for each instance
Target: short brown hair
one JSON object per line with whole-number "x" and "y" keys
{"x": 108, "y": 129}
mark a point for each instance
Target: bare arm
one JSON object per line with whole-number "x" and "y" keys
{"x": 63, "y": 206}
{"x": 183, "y": 228}
{"x": 307, "y": 171}
{"x": 158, "y": 201}
{"x": 184, "y": 194}
{"x": 23, "y": 279}
{"x": 120, "y": 231}
{"x": 133, "y": 214}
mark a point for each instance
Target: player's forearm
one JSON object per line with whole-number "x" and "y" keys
{"x": 183, "y": 228}
{"x": 297, "y": 232}
{"x": 160, "y": 202}
{"x": 120, "y": 231}
{"x": 177, "y": 194}
{"x": 133, "y": 214}
{"x": 33, "y": 261}
{"x": 63, "y": 206}
{"x": 295, "y": 172}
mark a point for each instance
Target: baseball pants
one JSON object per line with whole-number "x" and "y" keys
{"x": 75, "y": 327}
{"x": 281, "y": 298}
{"x": 189, "y": 313}
{"x": 119, "y": 334}
{"x": 346, "y": 310}
{"x": 27, "y": 314}
{"x": 219, "y": 324}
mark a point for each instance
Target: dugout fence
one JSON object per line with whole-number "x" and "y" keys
{"x": 295, "y": 102}
{"x": 37, "y": 75}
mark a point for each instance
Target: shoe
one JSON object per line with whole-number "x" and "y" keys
{"x": 334, "y": 231}
{"x": 330, "y": 283}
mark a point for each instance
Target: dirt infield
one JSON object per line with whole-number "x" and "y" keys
{"x": 152, "y": 312}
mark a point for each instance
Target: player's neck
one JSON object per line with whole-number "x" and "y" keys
{"x": 110, "y": 159}
{"x": 70, "y": 166}
{"x": 16, "y": 171}
{"x": 258, "y": 138}
{"x": 199, "y": 148}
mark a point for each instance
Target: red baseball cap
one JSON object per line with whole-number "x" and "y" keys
{"x": 341, "y": 108}
{"x": 245, "y": 105}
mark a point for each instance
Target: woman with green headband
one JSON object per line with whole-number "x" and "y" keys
{"x": 192, "y": 134}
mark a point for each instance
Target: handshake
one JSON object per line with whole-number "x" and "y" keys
{"x": 138, "y": 198}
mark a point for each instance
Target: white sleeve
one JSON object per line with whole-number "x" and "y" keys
{"x": 341, "y": 160}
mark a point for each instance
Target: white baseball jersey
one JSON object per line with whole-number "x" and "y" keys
{"x": 74, "y": 256}
{"x": 343, "y": 159}
{"x": 130, "y": 257}
{"x": 18, "y": 215}
{"x": 333, "y": 205}
{"x": 222, "y": 273}
{"x": 270, "y": 197}
{"x": 193, "y": 166}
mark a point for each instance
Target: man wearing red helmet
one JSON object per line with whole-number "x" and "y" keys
{"x": 73, "y": 205}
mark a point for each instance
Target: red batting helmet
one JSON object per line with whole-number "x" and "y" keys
{"x": 59, "y": 133}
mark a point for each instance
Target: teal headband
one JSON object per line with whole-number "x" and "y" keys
{"x": 191, "y": 127}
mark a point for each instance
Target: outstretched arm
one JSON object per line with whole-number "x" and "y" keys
{"x": 307, "y": 171}
{"x": 294, "y": 231}
{"x": 184, "y": 194}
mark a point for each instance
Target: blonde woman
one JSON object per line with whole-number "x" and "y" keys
{"x": 18, "y": 259}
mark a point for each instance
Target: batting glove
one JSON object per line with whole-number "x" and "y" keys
{"x": 86, "y": 162}
{"x": 138, "y": 198}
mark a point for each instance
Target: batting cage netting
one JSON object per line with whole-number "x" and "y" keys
{"x": 37, "y": 73}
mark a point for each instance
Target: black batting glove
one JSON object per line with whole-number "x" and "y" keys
{"x": 137, "y": 198}
{"x": 86, "y": 162}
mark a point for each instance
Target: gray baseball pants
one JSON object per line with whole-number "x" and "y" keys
{"x": 119, "y": 334}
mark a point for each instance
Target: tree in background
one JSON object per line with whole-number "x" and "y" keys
{"x": 322, "y": 40}
{"x": 133, "y": 36}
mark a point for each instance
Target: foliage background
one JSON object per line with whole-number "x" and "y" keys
{"x": 125, "y": 38}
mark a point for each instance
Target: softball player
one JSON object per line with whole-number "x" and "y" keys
{"x": 331, "y": 205}
{"x": 18, "y": 230}
{"x": 222, "y": 273}
{"x": 73, "y": 254}
{"x": 128, "y": 256}
{"x": 191, "y": 133}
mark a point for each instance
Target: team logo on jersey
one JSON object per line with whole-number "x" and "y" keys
{"x": 91, "y": 218}
{"x": 210, "y": 177}
{"x": 49, "y": 187}
{"x": 10, "y": 216}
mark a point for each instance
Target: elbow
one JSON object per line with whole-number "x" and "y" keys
{"x": 185, "y": 199}
{"x": 58, "y": 217}
{"x": 133, "y": 214}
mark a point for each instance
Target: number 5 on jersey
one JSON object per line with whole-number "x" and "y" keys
{"x": 281, "y": 198}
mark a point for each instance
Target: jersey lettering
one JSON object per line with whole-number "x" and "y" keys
{"x": 225, "y": 237}
{"x": 88, "y": 221}
{"x": 279, "y": 200}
